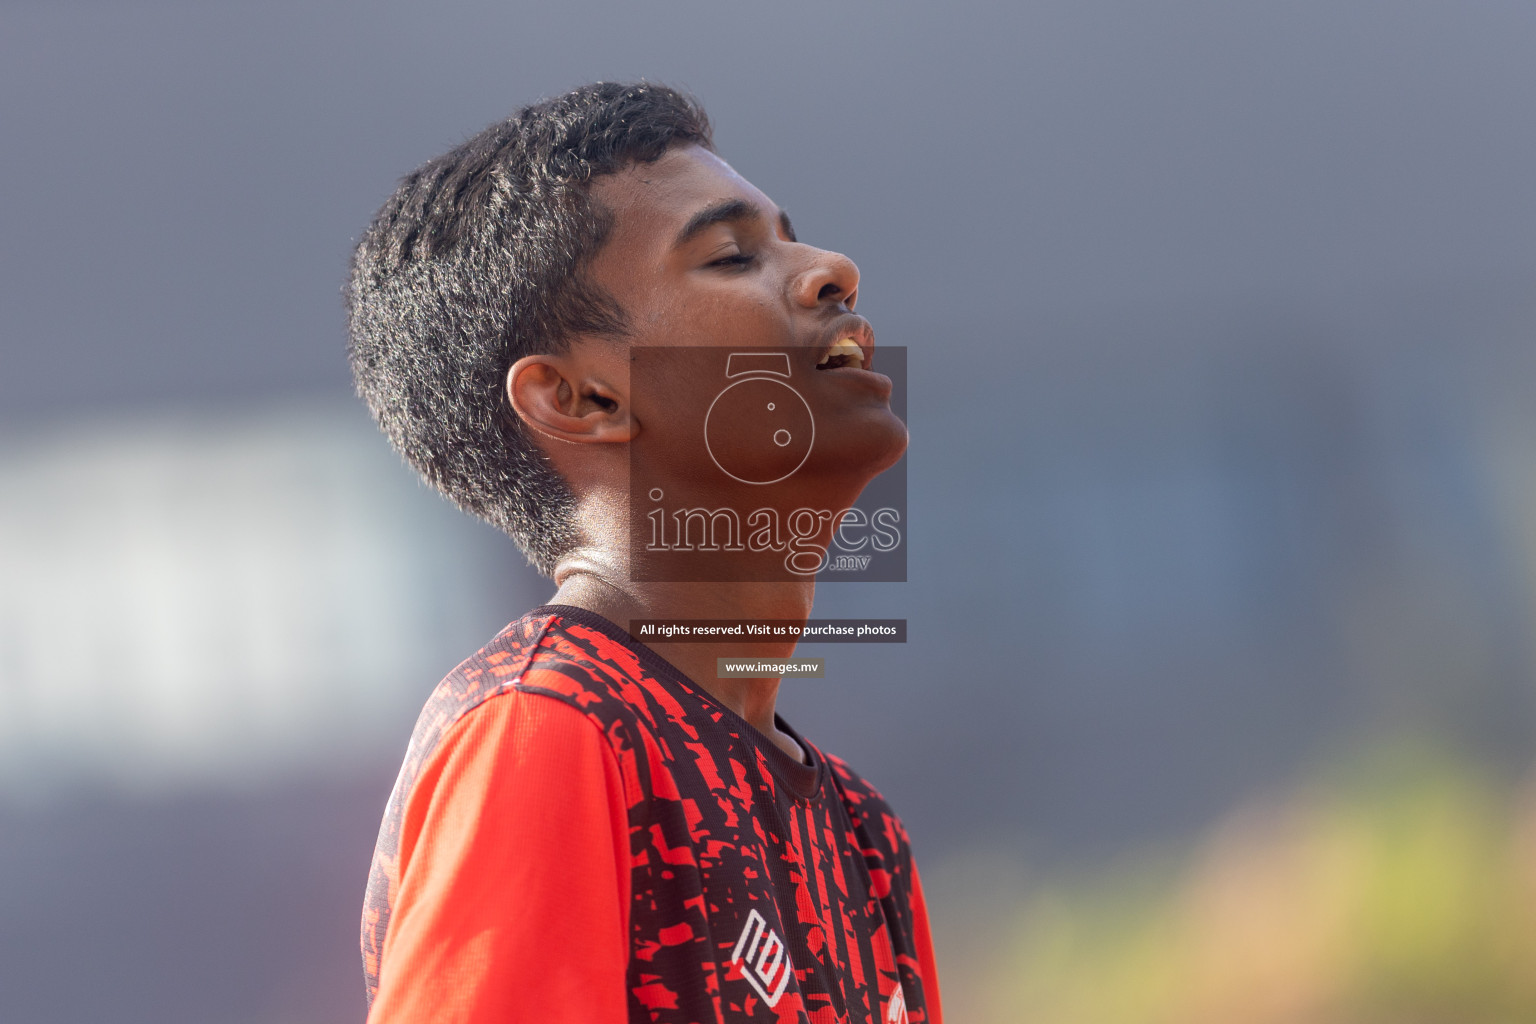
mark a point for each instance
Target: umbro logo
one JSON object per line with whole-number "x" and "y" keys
{"x": 763, "y": 960}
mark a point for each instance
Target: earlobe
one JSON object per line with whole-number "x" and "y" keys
{"x": 552, "y": 396}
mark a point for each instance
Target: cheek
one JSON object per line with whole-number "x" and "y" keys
{"x": 662, "y": 319}
{"x": 754, "y": 320}
{"x": 670, "y": 401}
{"x": 710, "y": 309}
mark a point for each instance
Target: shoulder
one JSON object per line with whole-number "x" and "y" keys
{"x": 882, "y": 836}
{"x": 866, "y": 804}
{"x": 544, "y": 654}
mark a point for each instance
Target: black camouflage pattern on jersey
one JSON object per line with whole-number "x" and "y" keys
{"x": 727, "y": 857}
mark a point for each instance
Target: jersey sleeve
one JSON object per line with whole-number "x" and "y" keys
{"x": 922, "y": 939}
{"x": 513, "y": 893}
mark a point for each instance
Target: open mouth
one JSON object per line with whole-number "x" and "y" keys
{"x": 846, "y": 352}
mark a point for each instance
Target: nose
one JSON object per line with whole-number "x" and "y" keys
{"x": 829, "y": 277}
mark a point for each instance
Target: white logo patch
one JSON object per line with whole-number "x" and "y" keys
{"x": 896, "y": 1009}
{"x": 769, "y": 972}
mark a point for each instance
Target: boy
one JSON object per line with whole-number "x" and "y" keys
{"x": 589, "y": 828}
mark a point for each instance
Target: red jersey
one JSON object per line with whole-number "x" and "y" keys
{"x": 580, "y": 833}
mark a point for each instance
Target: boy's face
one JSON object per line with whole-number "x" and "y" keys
{"x": 700, "y": 259}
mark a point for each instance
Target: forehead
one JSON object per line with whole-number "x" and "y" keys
{"x": 651, "y": 202}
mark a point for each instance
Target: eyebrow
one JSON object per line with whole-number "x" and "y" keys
{"x": 725, "y": 212}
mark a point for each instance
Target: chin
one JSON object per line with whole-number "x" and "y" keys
{"x": 863, "y": 450}
{"x": 895, "y": 447}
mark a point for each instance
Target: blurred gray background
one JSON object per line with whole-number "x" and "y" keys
{"x": 1220, "y": 321}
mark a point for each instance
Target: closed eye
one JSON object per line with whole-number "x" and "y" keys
{"x": 737, "y": 259}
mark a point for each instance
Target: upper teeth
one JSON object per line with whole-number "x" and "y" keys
{"x": 847, "y": 348}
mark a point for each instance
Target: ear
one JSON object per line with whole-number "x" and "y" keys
{"x": 561, "y": 398}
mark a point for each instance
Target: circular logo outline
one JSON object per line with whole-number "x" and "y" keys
{"x": 748, "y": 380}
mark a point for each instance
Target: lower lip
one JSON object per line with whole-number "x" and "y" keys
{"x": 857, "y": 374}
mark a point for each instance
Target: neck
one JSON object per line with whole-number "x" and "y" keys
{"x": 585, "y": 581}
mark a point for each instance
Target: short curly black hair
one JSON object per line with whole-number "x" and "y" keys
{"x": 478, "y": 259}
